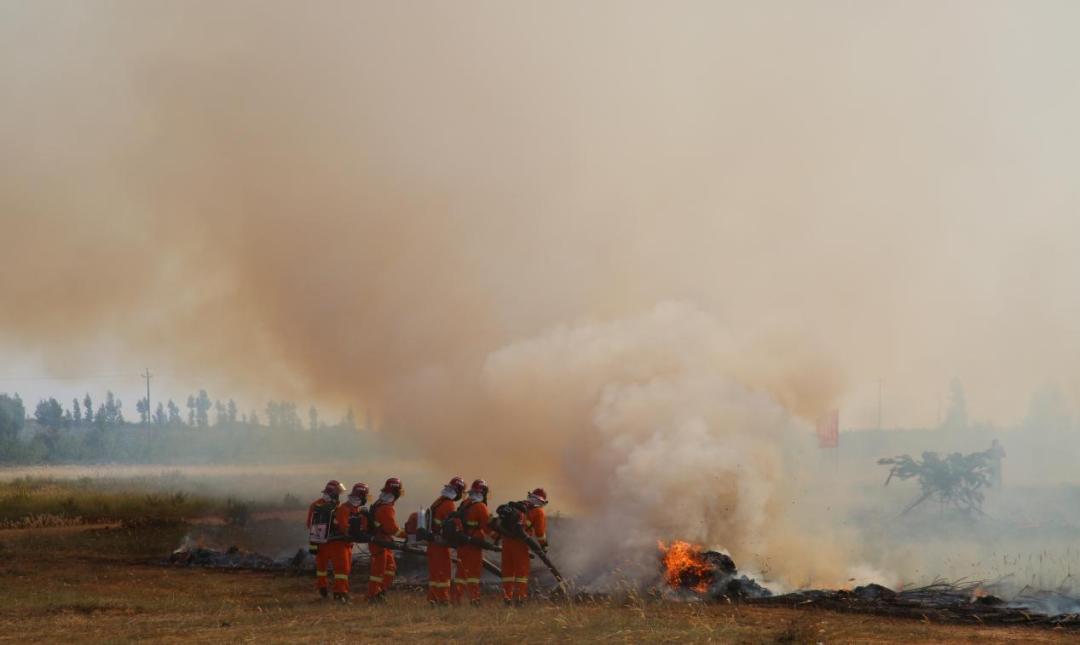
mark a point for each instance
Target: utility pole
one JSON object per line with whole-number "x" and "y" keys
{"x": 149, "y": 411}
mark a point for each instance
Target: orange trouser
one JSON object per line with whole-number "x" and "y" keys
{"x": 515, "y": 569}
{"x": 468, "y": 574}
{"x": 322, "y": 560}
{"x": 339, "y": 556}
{"x": 383, "y": 568}
{"x": 439, "y": 567}
{"x": 341, "y": 559}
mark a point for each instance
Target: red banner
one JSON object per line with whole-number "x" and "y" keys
{"x": 828, "y": 429}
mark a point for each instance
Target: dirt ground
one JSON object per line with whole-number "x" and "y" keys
{"x": 100, "y": 585}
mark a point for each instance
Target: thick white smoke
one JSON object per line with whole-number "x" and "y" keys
{"x": 657, "y": 436}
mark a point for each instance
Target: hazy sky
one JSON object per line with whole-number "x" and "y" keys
{"x": 331, "y": 202}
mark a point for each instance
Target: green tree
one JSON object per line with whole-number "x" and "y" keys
{"x": 113, "y": 406}
{"x": 202, "y": 409}
{"x": 230, "y": 411}
{"x": 12, "y": 417}
{"x": 49, "y": 413}
{"x": 76, "y": 411}
{"x": 142, "y": 406}
{"x": 313, "y": 419}
{"x": 101, "y": 419}
{"x": 282, "y": 415}
{"x": 174, "y": 414}
{"x": 290, "y": 420}
{"x": 159, "y": 415}
{"x": 89, "y": 405}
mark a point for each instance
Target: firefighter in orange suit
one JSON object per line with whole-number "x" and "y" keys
{"x": 438, "y": 552}
{"x": 515, "y": 552}
{"x": 352, "y": 511}
{"x": 320, "y": 520}
{"x": 474, "y": 517}
{"x": 384, "y": 528}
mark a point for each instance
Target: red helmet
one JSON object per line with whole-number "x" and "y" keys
{"x": 393, "y": 485}
{"x": 333, "y": 488}
{"x": 538, "y": 496}
{"x": 479, "y": 485}
{"x": 360, "y": 490}
{"x": 458, "y": 484}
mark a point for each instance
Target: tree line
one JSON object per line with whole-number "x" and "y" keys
{"x": 207, "y": 430}
{"x": 49, "y": 413}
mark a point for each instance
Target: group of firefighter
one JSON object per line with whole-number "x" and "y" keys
{"x": 455, "y": 534}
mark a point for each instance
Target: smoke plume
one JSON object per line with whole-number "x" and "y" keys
{"x": 631, "y": 248}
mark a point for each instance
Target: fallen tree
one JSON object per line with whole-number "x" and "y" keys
{"x": 955, "y": 481}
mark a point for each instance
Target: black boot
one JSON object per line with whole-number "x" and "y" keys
{"x": 323, "y": 592}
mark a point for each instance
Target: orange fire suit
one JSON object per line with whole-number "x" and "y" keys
{"x": 438, "y": 554}
{"x": 341, "y": 551}
{"x": 323, "y": 552}
{"x": 515, "y": 554}
{"x": 383, "y": 565}
{"x": 475, "y": 520}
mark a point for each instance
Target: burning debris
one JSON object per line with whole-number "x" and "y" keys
{"x": 940, "y": 602}
{"x": 709, "y": 574}
{"x": 198, "y": 555}
{"x": 693, "y": 572}
{"x": 194, "y": 552}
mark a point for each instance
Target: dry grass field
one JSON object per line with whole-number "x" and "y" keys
{"x": 102, "y": 584}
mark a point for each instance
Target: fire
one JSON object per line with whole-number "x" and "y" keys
{"x": 684, "y": 566}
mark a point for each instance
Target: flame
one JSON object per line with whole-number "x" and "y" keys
{"x": 683, "y": 562}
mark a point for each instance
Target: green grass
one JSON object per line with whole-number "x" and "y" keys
{"x": 42, "y": 502}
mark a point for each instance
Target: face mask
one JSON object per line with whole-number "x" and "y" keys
{"x": 449, "y": 492}
{"x": 356, "y": 501}
{"x": 536, "y": 501}
{"x": 386, "y": 498}
{"x": 476, "y": 496}
{"x": 326, "y": 497}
